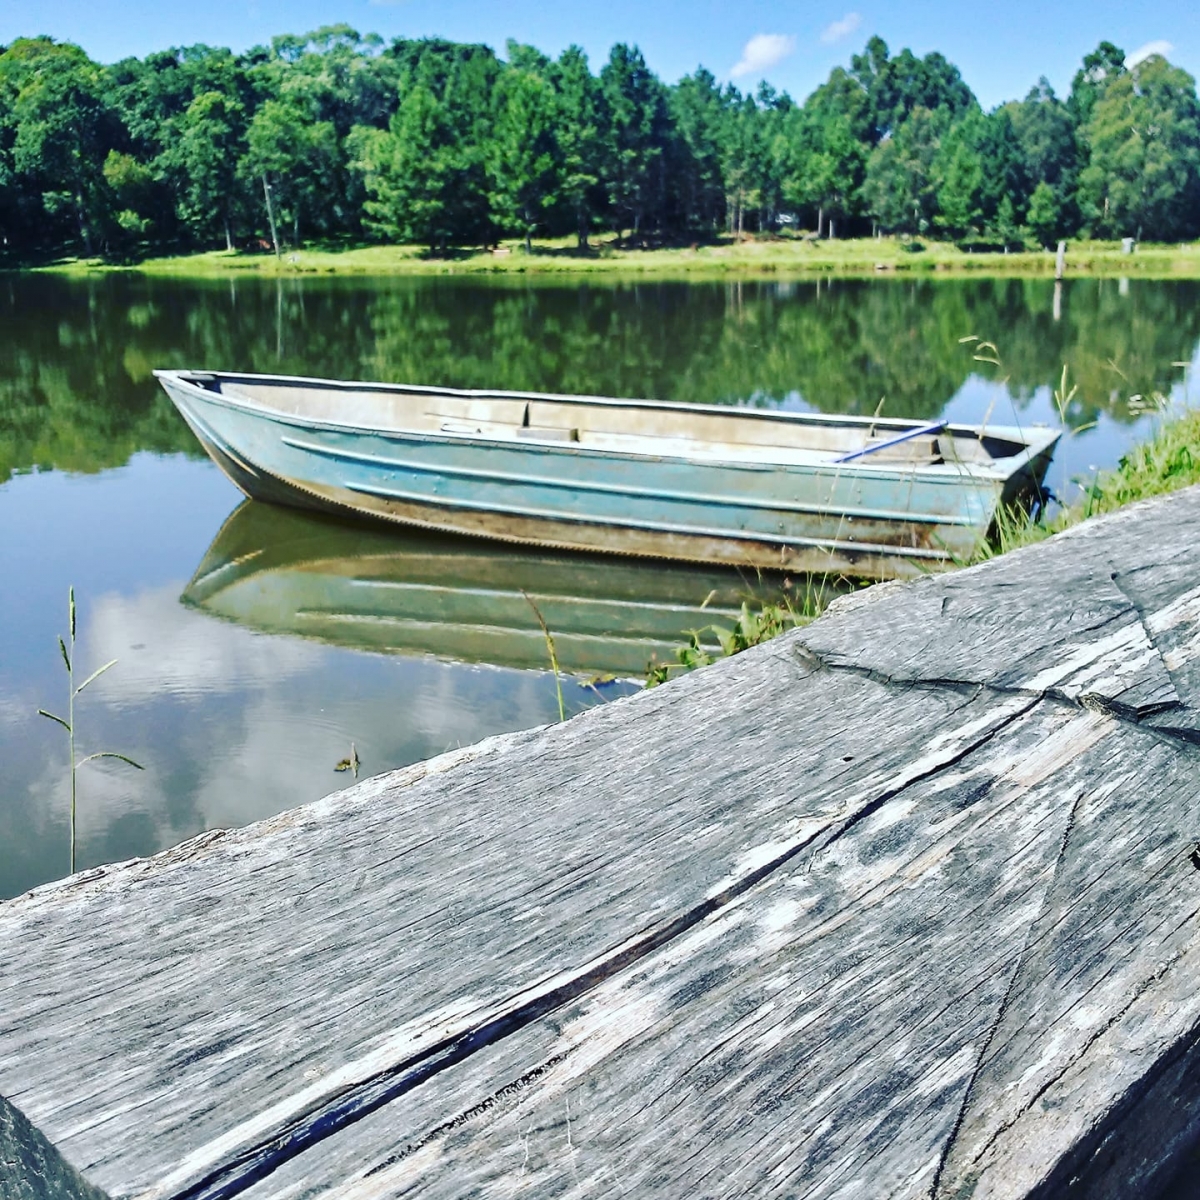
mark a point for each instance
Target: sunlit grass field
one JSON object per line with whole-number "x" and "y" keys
{"x": 763, "y": 256}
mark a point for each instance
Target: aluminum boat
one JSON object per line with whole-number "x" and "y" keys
{"x": 861, "y": 496}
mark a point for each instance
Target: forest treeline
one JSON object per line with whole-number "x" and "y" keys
{"x": 337, "y": 136}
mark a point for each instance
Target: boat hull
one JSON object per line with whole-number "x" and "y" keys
{"x": 859, "y": 520}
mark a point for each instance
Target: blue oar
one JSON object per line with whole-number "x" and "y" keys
{"x": 936, "y": 427}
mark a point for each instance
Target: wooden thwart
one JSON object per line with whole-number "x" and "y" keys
{"x": 900, "y": 904}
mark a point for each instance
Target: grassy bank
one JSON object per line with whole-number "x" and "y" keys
{"x": 781, "y": 256}
{"x": 1169, "y": 460}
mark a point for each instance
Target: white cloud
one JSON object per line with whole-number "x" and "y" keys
{"x": 762, "y": 52}
{"x": 1144, "y": 52}
{"x": 232, "y": 725}
{"x": 164, "y": 648}
{"x": 841, "y": 29}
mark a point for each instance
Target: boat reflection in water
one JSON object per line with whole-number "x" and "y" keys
{"x": 279, "y": 570}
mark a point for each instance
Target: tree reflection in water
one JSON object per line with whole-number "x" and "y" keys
{"x": 76, "y": 390}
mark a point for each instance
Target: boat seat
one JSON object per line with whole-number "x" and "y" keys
{"x": 915, "y": 450}
{"x": 548, "y": 433}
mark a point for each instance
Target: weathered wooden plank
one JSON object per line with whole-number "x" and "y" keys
{"x": 237, "y": 989}
{"x": 900, "y": 904}
{"x": 824, "y": 1035}
{"x": 738, "y": 1044}
{"x": 980, "y": 630}
{"x": 1094, "y": 613}
{"x": 1106, "y": 985}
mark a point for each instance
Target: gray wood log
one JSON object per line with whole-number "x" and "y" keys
{"x": 917, "y": 1013}
{"x": 1102, "y": 614}
{"x": 900, "y": 904}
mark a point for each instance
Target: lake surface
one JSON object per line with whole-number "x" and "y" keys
{"x": 256, "y": 645}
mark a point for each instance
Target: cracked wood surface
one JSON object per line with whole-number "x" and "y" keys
{"x": 900, "y": 904}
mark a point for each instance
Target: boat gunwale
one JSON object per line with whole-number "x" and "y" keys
{"x": 1033, "y": 445}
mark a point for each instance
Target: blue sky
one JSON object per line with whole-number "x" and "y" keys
{"x": 1001, "y": 48}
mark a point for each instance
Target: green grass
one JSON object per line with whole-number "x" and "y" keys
{"x": 787, "y": 256}
{"x": 706, "y": 645}
{"x": 758, "y": 622}
{"x": 1167, "y": 461}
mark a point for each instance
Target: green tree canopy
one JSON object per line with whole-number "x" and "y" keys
{"x": 59, "y": 129}
{"x": 579, "y": 139}
{"x": 636, "y": 127}
{"x": 698, "y": 110}
{"x": 525, "y": 160}
{"x": 900, "y": 187}
{"x": 1100, "y": 67}
{"x": 1144, "y": 138}
{"x": 895, "y": 86}
{"x": 442, "y": 142}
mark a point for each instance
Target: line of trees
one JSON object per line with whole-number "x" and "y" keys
{"x": 336, "y": 135}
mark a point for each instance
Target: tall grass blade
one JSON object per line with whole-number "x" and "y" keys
{"x": 68, "y": 658}
{"x": 94, "y": 675}
{"x": 110, "y": 754}
{"x": 43, "y": 713}
{"x": 562, "y": 711}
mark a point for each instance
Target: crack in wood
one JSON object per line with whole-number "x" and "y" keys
{"x": 501, "y": 1094}
{"x": 826, "y": 838}
{"x": 257, "y": 1161}
{"x": 1031, "y": 939}
{"x": 1184, "y": 737}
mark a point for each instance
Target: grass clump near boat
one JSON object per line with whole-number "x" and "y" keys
{"x": 1167, "y": 461}
{"x": 752, "y": 629}
{"x": 756, "y": 624}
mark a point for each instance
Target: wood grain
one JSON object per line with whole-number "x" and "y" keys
{"x": 899, "y": 904}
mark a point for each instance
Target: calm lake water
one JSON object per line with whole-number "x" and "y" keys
{"x": 255, "y": 645}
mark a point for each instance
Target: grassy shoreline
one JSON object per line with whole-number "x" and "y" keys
{"x": 1164, "y": 463}
{"x": 774, "y": 257}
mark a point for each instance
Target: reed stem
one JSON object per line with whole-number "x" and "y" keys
{"x": 562, "y": 712}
